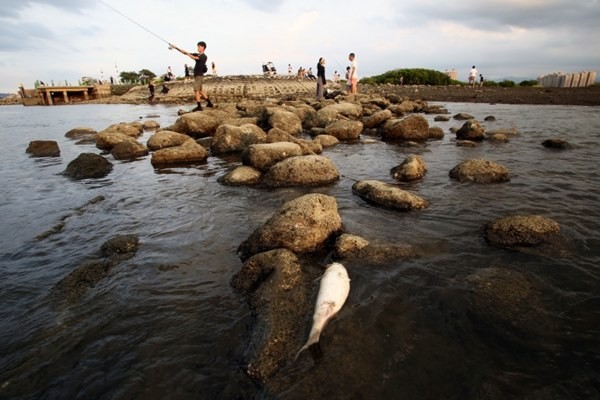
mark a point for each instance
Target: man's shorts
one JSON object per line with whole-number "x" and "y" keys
{"x": 198, "y": 83}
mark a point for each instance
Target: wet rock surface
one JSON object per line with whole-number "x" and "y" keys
{"x": 302, "y": 171}
{"x": 521, "y": 230}
{"x": 411, "y": 169}
{"x": 387, "y": 195}
{"x": 43, "y": 148}
{"x": 480, "y": 171}
{"x": 88, "y": 166}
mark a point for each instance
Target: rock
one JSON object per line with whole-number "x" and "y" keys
{"x": 302, "y": 171}
{"x": 411, "y": 169}
{"x": 508, "y": 301}
{"x": 129, "y": 129}
{"x": 466, "y": 143}
{"x": 107, "y": 140}
{"x": 471, "y": 130}
{"x": 150, "y": 125}
{"x": 189, "y": 152}
{"x": 43, "y": 148}
{"x": 441, "y": 118}
{"x": 280, "y": 304}
{"x": 436, "y": 109}
{"x": 405, "y": 107}
{"x": 81, "y": 133}
{"x": 480, "y": 171}
{"x": 72, "y": 287}
{"x": 285, "y": 120}
{"x": 436, "y": 133}
{"x": 387, "y": 195}
{"x": 129, "y": 150}
{"x": 302, "y": 225}
{"x": 87, "y": 166}
{"x": 376, "y": 119}
{"x": 521, "y": 230}
{"x": 326, "y": 140}
{"x": 231, "y": 139}
{"x": 490, "y": 118}
{"x": 344, "y": 130}
{"x": 241, "y": 176}
{"x": 414, "y": 127}
{"x": 197, "y": 124}
{"x": 307, "y": 115}
{"x": 346, "y": 244}
{"x": 331, "y": 113}
{"x": 496, "y": 137}
{"x": 263, "y": 156}
{"x": 463, "y": 116}
{"x": 120, "y": 246}
{"x": 164, "y": 139}
{"x": 308, "y": 147}
{"x": 556, "y": 143}
{"x": 509, "y": 132}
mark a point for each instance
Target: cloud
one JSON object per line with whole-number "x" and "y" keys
{"x": 13, "y": 8}
{"x": 23, "y": 36}
{"x": 270, "y": 6}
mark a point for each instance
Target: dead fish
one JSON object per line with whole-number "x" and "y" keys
{"x": 333, "y": 291}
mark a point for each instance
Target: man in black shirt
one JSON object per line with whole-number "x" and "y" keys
{"x": 199, "y": 70}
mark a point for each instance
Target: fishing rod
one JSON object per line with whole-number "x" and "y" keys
{"x": 135, "y": 22}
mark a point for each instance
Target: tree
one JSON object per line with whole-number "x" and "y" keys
{"x": 147, "y": 74}
{"x": 410, "y": 76}
{"x": 129, "y": 77}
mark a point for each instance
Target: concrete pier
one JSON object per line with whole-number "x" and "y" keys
{"x": 54, "y": 95}
{"x": 570, "y": 80}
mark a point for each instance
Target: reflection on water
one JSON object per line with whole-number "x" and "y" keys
{"x": 167, "y": 324}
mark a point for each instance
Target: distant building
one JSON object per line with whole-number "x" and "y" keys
{"x": 560, "y": 79}
{"x": 452, "y": 74}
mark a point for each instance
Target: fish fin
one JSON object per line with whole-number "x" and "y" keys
{"x": 312, "y": 339}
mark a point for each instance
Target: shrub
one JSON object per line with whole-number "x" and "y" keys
{"x": 411, "y": 76}
{"x": 507, "y": 83}
{"x": 529, "y": 83}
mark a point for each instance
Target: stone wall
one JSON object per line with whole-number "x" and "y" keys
{"x": 559, "y": 79}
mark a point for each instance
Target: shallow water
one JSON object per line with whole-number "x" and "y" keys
{"x": 166, "y": 324}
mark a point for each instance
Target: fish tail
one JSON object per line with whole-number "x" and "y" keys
{"x": 312, "y": 339}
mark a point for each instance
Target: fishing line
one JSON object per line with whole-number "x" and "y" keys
{"x": 138, "y": 24}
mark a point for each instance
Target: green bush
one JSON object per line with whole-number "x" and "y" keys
{"x": 411, "y": 76}
{"x": 529, "y": 83}
{"x": 119, "y": 90}
{"x": 507, "y": 83}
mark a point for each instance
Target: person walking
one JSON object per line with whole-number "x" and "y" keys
{"x": 472, "y": 76}
{"x": 353, "y": 73}
{"x": 186, "y": 73}
{"x": 481, "y": 80}
{"x": 213, "y": 68}
{"x": 321, "y": 80}
{"x": 199, "y": 70}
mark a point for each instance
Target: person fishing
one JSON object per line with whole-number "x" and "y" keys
{"x": 199, "y": 70}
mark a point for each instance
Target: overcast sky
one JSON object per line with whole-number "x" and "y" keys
{"x": 66, "y": 39}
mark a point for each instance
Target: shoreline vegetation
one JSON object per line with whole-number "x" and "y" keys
{"x": 237, "y": 88}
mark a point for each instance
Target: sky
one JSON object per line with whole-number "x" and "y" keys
{"x": 64, "y": 40}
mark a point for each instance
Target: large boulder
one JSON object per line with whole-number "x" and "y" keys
{"x": 106, "y": 140}
{"x": 302, "y": 225}
{"x": 231, "y": 139}
{"x": 436, "y": 133}
{"x": 387, "y": 195}
{"x": 463, "y": 116}
{"x": 411, "y": 169}
{"x": 197, "y": 124}
{"x": 264, "y": 155}
{"x": 480, "y": 171}
{"x": 521, "y": 231}
{"x": 307, "y": 115}
{"x": 556, "y": 143}
{"x": 279, "y": 303}
{"x": 406, "y": 107}
{"x": 471, "y": 130}
{"x": 132, "y": 129}
{"x": 43, "y": 148}
{"x": 150, "y": 125}
{"x": 285, "y": 120}
{"x": 87, "y": 166}
{"x": 189, "y": 152}
{"x": 344, "y": 130}
{"x": 413, "y": 127}
{"x": 332, "y": 113}
{"x": 376, "y": 119}
{"x": 164, "y": 139}
{"x": 302, "y": 171}
{"x": 81, "y": 133}
{"x": 308, "y": 147}
{"x": 241, "y": 176}
{"x": 129, "y": 150}
{"x": 326, "y": 140}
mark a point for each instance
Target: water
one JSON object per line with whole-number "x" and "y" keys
{"x": 166, "y": 324}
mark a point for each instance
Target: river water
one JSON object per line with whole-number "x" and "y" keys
{"x": 166, "y": 324}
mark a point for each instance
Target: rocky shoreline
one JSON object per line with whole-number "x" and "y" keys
{"x": 236, "y": 88}
{"x": 282, "y": 140}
